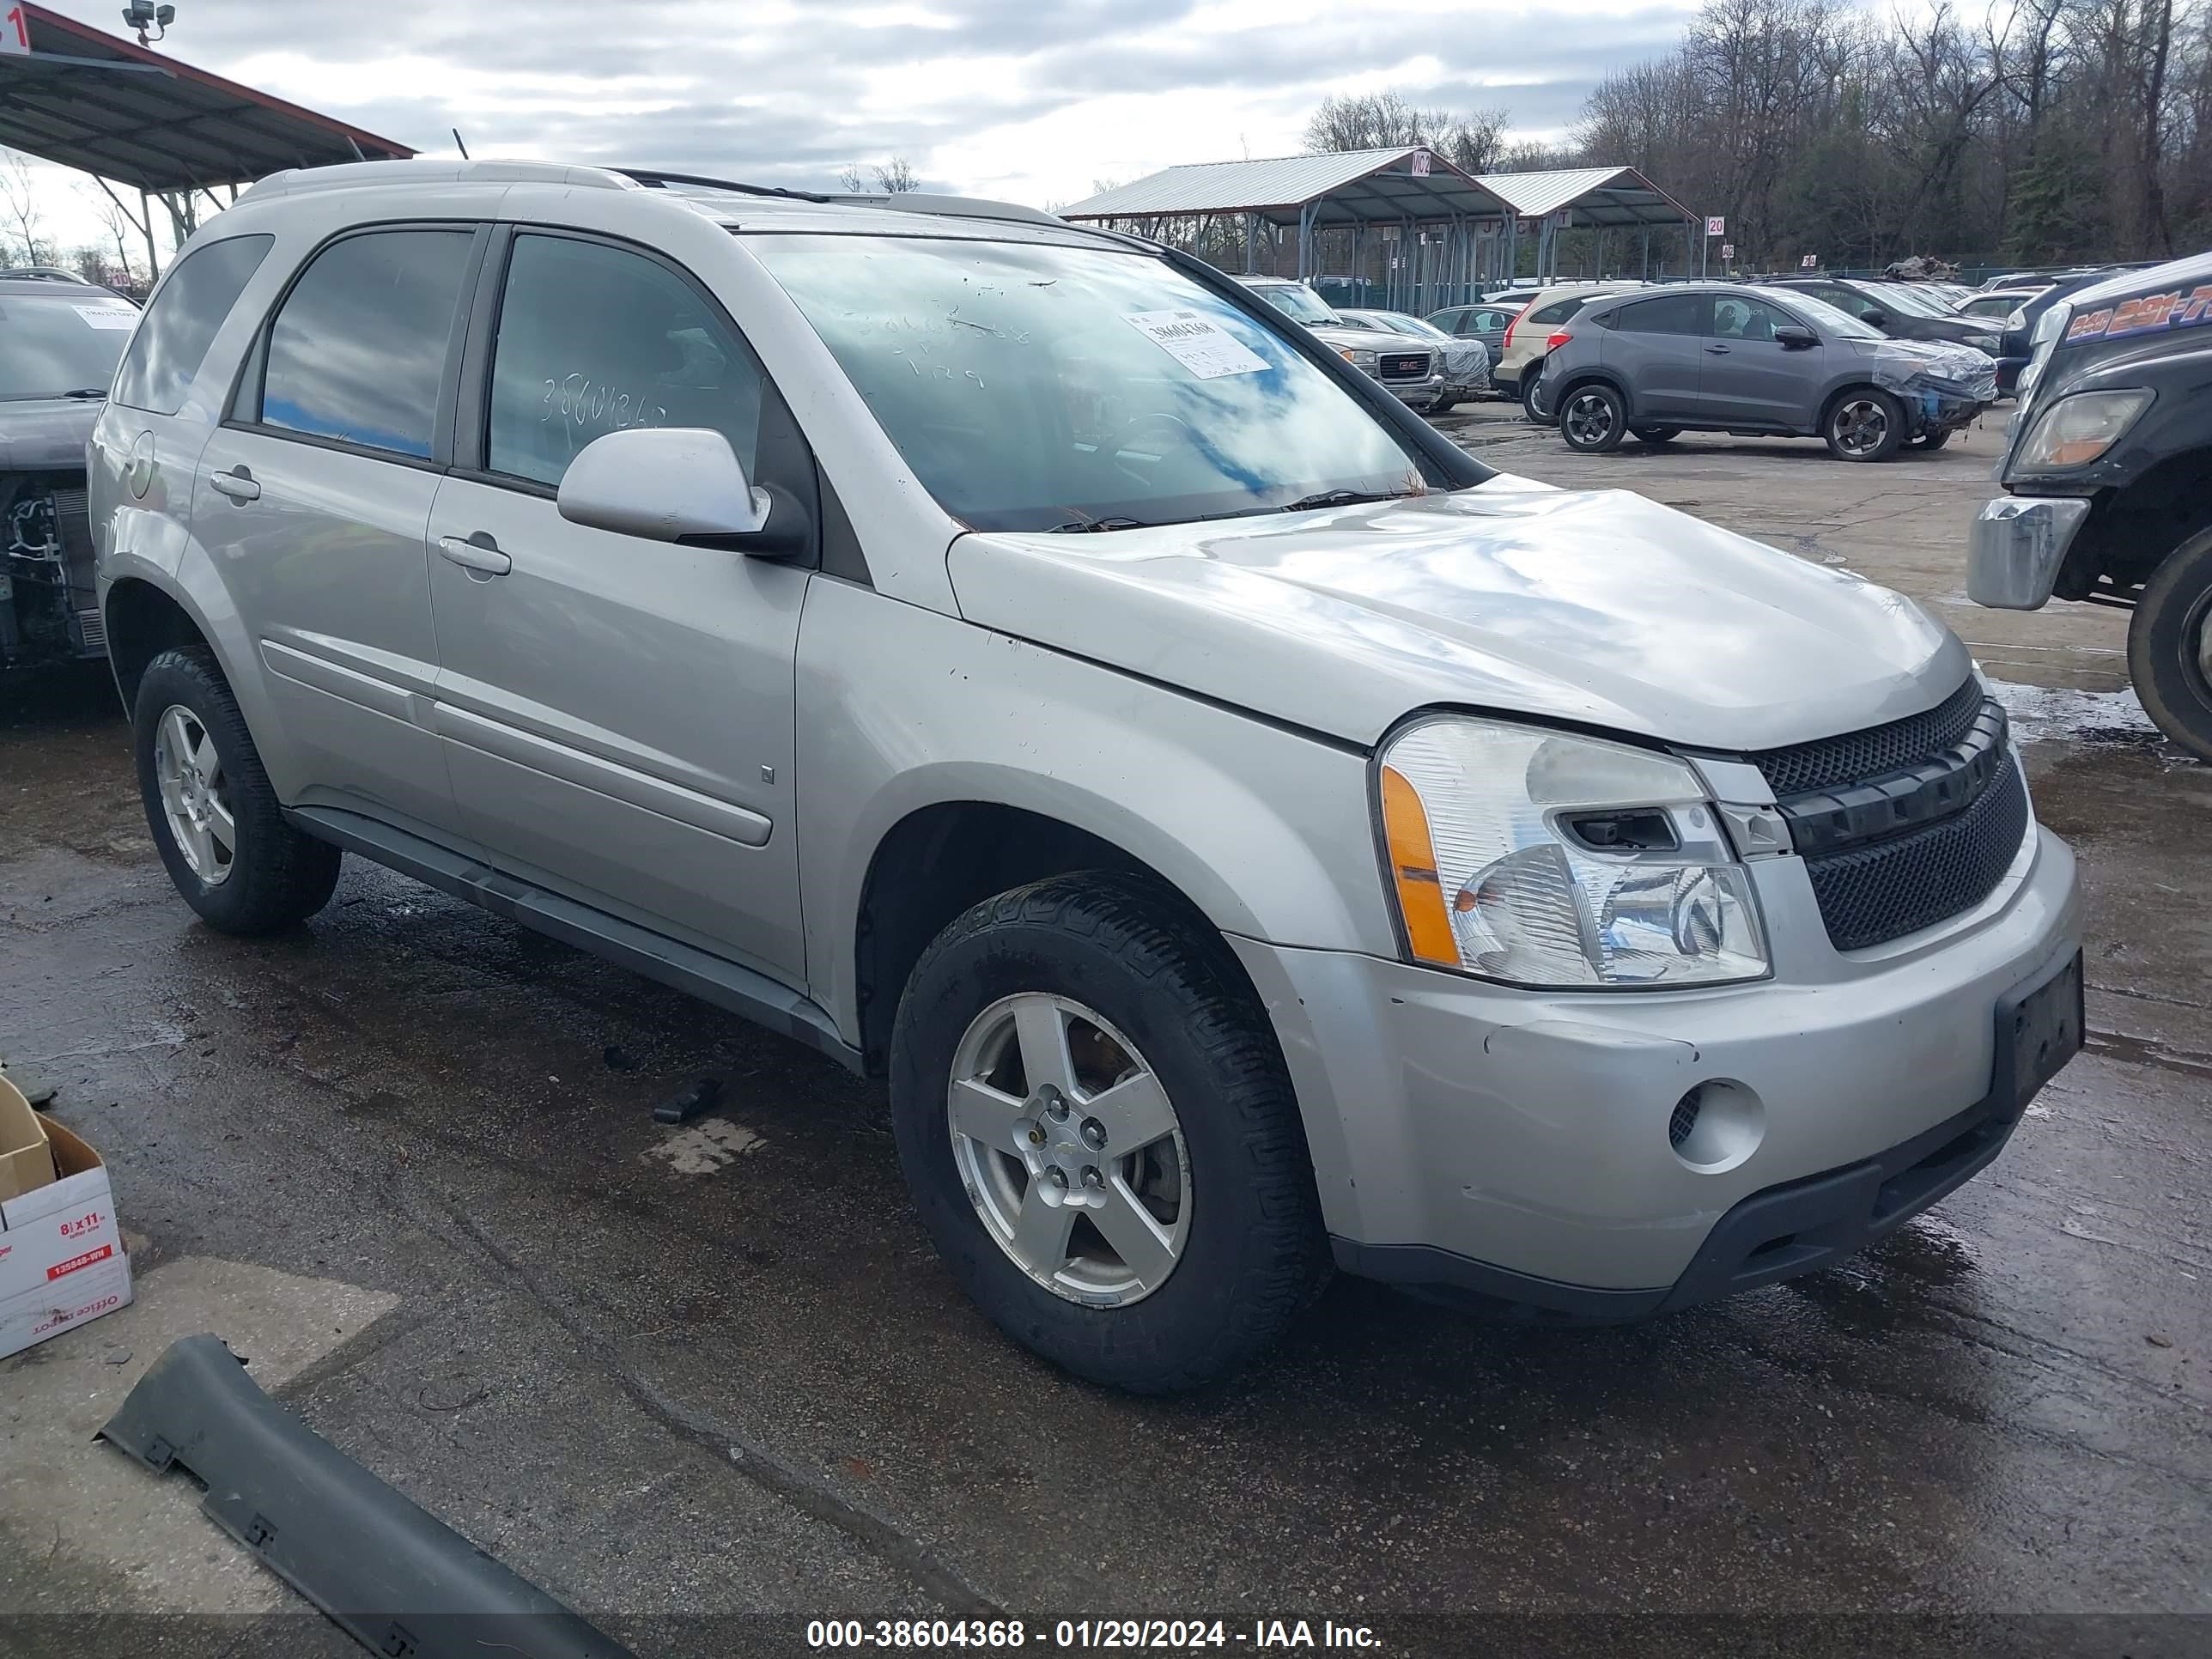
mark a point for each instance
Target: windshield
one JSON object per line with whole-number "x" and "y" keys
{"x": 1836, "y": 325}
{"x": 70, "y": 342}
{"x": 1414, "y": 325}
{"x": 1899, "y": 297}
{"x": 1296, "y": 302}
{"x": 1036, "y": 387}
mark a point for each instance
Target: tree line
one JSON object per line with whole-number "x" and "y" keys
{"x": 2038, "y": 132}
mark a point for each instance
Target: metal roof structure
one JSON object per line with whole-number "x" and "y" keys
{"x": 114, "y": 108}
{"x": 1593, "y": 196}
{"x": 1345, "y": 187}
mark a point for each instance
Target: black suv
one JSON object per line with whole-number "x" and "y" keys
{"x": 2108, "y": 466}
{"x": 1898, "y": 310}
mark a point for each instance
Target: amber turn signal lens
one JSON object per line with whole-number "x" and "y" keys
{"x": 1413, "y": 872}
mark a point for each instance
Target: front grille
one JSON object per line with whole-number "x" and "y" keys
{"x": 1403, "y": 366}
{"x": 1883, "y": 892}
{"x": 1857, "y": 756}
{"x": 1903, "y": 825}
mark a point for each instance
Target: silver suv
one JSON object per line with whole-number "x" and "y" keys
{"x": 1014, "y": 660}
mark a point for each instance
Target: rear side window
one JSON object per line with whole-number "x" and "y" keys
{"x": 595, "y": 339}
{"x": 357, "y": 351}
{"x": 157, "y": 371}
{"x": 1559, "y": 310}
{"x": 1671, "y": 314}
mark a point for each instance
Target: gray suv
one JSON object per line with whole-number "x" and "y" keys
{"x": 1754, "y": 361}
{"x": 1016, "y": 661}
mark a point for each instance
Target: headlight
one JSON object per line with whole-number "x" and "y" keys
{"x": 2075, "y": 430}
{"x": 1542, "y": 859}
{"x": 1358, "y": 357}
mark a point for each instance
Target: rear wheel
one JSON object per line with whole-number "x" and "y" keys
{"x": 1100, "y": 1137}
{"x": 1591, "y": 418}
{"x": 2169, "y": 645}
{"x": 1655, "y": 434}
{"x": 1864, "y": 424}
{"x": 215, "y": 817}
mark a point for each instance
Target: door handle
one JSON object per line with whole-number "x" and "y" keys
{"x": 478, "y": 553}
{"x": 238, "y": 485}
{"x": 1717, "y": 350}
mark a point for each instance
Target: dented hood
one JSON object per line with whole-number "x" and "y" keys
{"x": 1594, "y": 606}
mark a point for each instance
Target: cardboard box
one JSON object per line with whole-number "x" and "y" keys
{"x": 26, "y": 1160}
{"x": 61, "y": 1251}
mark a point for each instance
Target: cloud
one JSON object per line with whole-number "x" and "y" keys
{"x": 1031, "y": 99}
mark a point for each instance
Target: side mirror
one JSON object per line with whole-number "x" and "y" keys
{"x": 679, "y": 484}
{"x": 1794, "y": 337}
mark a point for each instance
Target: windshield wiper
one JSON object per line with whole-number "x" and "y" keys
{"x": 85, "y": 392}
{"x": 1087, "y": 523}
{"x": 1343, "y": 498}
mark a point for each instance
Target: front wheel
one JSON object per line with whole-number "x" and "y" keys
{"x": 214, "y": 817}
{"x": 1866, "y": 425}
{"x": 1100, "y": 1137}
{"x": 1592, "y": 420}
{"x": 2169, "y": 645}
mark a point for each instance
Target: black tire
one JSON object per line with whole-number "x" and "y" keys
{"x": 1864, "y": 423}
{"x": 1444, "y": 406}
{"x": 276, "y": 878}
{"x": 2169, "y": 645}
{"x": 1592, "y": 418}
{"x": 1655, "y": 434}
{"x": 1935, "y": 438}
{"x": 1527, "y": 393}
{"x": 1123, "y": 947}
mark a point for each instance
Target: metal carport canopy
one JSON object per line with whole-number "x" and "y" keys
{"x": 1345, "y": 187}
{"x": 112, "y": 107}
{"x": 1606, "y": 197}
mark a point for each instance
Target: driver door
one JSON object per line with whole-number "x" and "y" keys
{"x": 617, "y": 712}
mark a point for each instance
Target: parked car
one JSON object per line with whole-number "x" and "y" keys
{"x": 1753, "y": 360}
{"x": 59, "y": 343}
{"x": 1467, "y": 363}
{"x": 2105, "y": 478}
{"x": 1487, "y": 323}
{"x": 2019, "y": 339}
{"x": 1996, "y": 304}
{"x": 1521, "y": 362}
{"x": 1412, "y": 373}
{"x": 1025, "y": 664}
{"x": 1896, "y": 309}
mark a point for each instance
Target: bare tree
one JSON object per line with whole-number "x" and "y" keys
{"x": 115, "y": 225}
{"x": 19, "y": 191}
{"x": 851, "y": 179}
{"x": 1389, "y": 121}
{"x": 895, "y": 176}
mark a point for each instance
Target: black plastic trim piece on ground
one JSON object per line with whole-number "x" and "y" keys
{"x": 395, "y": 1578}
{"x": 1795, "y": 1227}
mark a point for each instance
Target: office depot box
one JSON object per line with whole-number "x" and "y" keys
{"x": 60, "y": 1252}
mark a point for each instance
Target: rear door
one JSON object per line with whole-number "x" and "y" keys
{"x": 618, "y": 713}
{"x": 1655, "y": 346}
{"x": 1750, "y": 376}
{"x": 313, "y": 498}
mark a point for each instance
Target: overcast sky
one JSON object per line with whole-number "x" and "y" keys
{"x": 1032, "y": 101}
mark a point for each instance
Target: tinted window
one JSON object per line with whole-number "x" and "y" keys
{"x": 593, "y": 340}
{"x": 358, "y": 347}
{"x": 1670, "y": 313}
{"x": 1559, "y": 310}
{"x": 65, "y": 342}
{"x": 181, "y": 323}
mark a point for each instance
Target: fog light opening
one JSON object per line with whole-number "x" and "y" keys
{"x": 1716, "y": 1126}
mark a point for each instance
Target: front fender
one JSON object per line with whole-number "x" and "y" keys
{"x": 1265, "y": 829}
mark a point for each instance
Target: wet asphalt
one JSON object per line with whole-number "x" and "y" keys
{"x": 706, "y": 1385}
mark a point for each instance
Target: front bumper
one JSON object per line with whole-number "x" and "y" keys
{"x": 1516, "y": 1143}
{"x": 2019, "y": 543}
{"x": 1419, "y": 393}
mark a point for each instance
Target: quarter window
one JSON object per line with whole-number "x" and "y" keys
{"x": 181, "y": 324}
{"x": 358, "y": 350}
{"x": 1559, "y": 310}
{"x": 595, "y": 339}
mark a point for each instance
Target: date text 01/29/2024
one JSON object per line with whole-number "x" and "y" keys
{"x": 1141, "y": 1635}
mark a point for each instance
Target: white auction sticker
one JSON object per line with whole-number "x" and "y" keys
{"x": 1197, "y": 343}
{"x": 107, "y": 316}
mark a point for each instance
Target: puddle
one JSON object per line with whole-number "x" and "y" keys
{"x": 2042, "y": 714}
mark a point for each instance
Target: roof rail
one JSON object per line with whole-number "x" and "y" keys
{"x": 653, "y": 178}
{"x": 957, "y": 207}
{"x": 346, "y": 175}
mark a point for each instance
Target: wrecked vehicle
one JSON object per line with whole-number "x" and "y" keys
{"x": 1011, "y": 658}
{"x": 2105, "y": 470}
{"x": 59, "y": 343}
{"x": 1721, "y": 358}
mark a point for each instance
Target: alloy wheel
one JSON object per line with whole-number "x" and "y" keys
{"x": 195, "y": 795}
{"x": 1861, "y": 424}
{"x": 1070, "y": 1149}
{"x": 1588, "y": 417}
